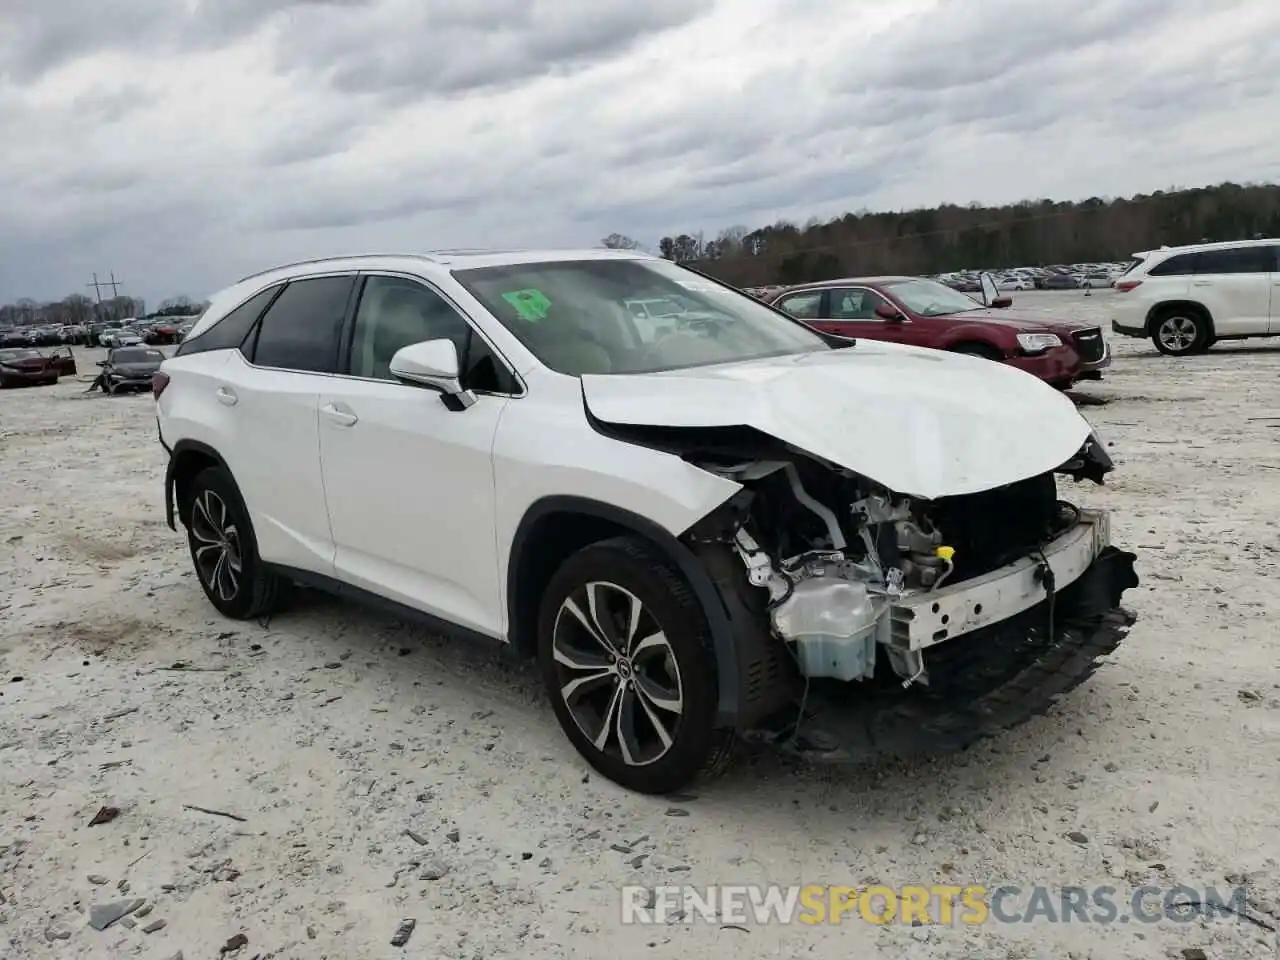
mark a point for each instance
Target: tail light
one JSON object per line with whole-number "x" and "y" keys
{"x": 158, "y": 382}
{"x": 1124, "y": 286}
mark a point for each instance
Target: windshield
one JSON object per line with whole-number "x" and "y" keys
{"x": 579, "y": 317}
{"x": 136, "y": 356}
{"x": 19, "y": 354}
{"x": 928, "y": 298}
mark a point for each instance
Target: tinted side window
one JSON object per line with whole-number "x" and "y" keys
{"x": 395, "y": 312}
{"x": 1239, "y": 260}
{"x": 229, "y": 332}
{"x": 300, "y": 330}
{"x": 805, "y": 306}
{"x": 1179, "y": 266}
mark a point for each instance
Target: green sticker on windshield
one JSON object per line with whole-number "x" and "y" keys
{"x": 530, "y": 304}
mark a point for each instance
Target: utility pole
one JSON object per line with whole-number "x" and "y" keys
{"x": 97, "y": 285}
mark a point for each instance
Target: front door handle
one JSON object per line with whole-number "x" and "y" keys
{"x": 343, "y": 418}
{"x": 1202, "y": 283}
{"x": 227, "y": 397}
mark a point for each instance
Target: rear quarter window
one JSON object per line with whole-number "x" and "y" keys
{"x": 229, "y": 332}
{"x": 1179, "y": 265}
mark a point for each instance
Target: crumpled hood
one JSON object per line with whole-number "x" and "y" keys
{"x": 923, "y": 423}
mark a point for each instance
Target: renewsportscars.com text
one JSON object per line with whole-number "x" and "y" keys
{"x": 931, "y": 904}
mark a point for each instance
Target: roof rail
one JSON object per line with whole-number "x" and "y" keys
{"x": 349, "y": 256}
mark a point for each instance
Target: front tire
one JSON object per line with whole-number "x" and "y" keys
{"x": 224, "y": 550}
{"x": 1181, "y": 332}
{"x": 628, "y": 662}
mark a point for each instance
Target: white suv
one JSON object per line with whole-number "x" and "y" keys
{"x": 1187, "y": 298}
{"x": 695, "y": 533}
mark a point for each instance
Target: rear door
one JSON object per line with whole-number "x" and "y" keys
{"x": 1235, "y": 285}
{"x": 271, "y": 390}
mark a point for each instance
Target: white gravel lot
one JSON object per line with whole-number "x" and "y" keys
{"x": 380, "y": 773}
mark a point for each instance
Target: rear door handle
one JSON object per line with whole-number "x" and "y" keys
{"x": 227, "y": 397}
{"x": 343, "y": 418}
{"x": 1202, "y": 283}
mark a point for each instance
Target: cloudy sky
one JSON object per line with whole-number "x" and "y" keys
{"x": 183, "y": 143}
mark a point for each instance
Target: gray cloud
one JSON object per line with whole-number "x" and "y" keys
{"x": 36, "y": 38}
{"x": 404, "y": 51}
{"x": 216, "y": 137}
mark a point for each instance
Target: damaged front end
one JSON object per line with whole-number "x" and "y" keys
{"x": 885, "y": 624}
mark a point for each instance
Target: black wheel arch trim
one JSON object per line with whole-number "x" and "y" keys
{"x": 176, "y": 454}
{"x": 713, "y": 604}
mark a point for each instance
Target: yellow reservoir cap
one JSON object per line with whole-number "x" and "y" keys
{"x": 945, "y": 553}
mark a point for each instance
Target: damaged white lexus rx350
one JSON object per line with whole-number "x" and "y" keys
{"x": 703, "y": 518}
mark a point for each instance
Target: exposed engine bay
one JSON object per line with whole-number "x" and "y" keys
{"x": 850, "y": 570}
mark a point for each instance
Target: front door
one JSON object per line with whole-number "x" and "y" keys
{"x": 409, "y": 479}
{"x": 851, "y": 312}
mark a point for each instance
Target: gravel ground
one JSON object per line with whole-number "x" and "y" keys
{"x": 378, "y": 773}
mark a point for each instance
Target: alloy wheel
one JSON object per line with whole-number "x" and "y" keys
{"x": 216, "y": 545}
{"x": 1177, "y": 333}
{"x": 617, "y": 673}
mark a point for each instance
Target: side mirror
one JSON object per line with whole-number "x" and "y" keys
{"x": 889, "y": 312}
{"x": 432, "y": 363}
{"x": 102, "y": 363}
{"x": 1001, "y": 302}
{"x": 990, "y": 292}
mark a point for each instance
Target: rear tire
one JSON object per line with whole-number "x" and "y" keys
{"x": 224, "y": 549}
{"x": 1181, "y": 331}
{"x": 628, "y": 662}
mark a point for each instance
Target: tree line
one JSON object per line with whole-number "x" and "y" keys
{"x": 975, "y": 237}
{"x": 78, "y": 310}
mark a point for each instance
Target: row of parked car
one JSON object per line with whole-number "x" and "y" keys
{"x": 1074, "y": 276}
{"x": 124, "y": 333}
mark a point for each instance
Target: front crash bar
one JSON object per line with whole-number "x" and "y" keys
{"x": 918, "y": 621}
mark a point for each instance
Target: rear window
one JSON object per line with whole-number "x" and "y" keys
{"x": 1134, "y": 264}
{"x": 1228, "y": 260}
{"x": 1254, "y": 259}
{"x": 137, "y": 356}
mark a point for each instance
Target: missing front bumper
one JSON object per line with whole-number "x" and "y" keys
{"x": 924, "y": 620}
{"x": 982, "y": 684}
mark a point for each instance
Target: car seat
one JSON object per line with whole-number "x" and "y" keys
{"x": 399, "y": 320}
{"x": 569, "y": 343}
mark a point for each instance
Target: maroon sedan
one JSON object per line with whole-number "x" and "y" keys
{"x": 23, "y": 367}
{"x": 926, "y": 313}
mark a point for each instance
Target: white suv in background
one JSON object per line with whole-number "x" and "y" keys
{"x": 738, "y": 525}
{"x": 1187, "y": 298}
